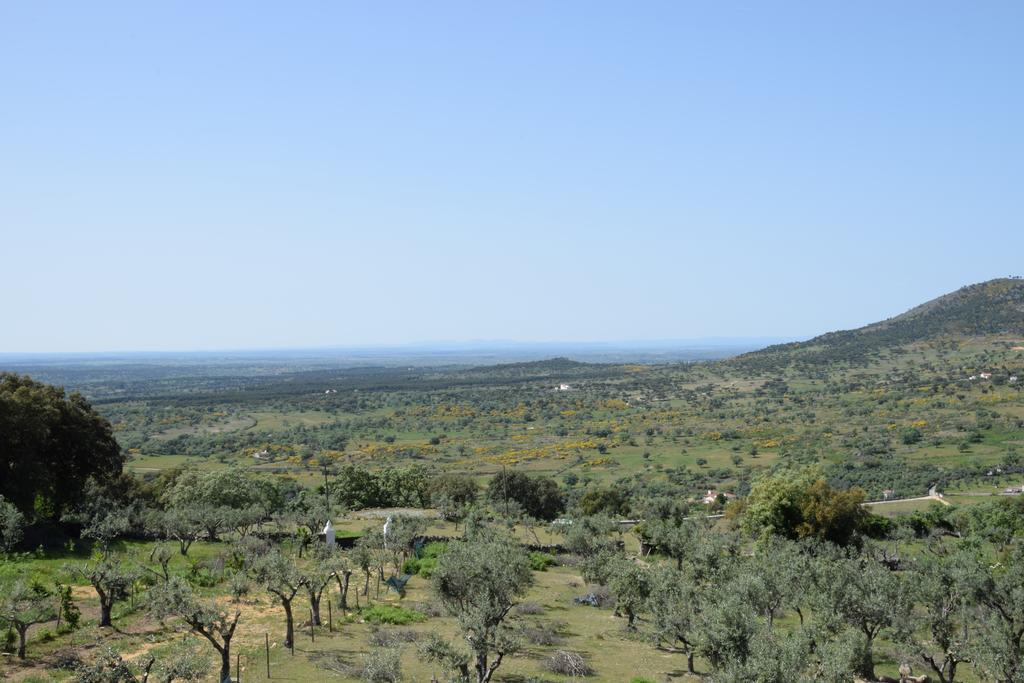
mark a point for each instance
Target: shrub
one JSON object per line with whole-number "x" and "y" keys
{"x": 382, "y": 665}
{"x": 429, "y": 609}
{"x": 391, "y": 614}
{"x": 568, "y": 664}
{"x": 539, "y": 562}
{"x": 548, "y": 633}
{"x": 390, "y": 637}
{"x": 425, "y": 564}
{"x": 527, "y": 608}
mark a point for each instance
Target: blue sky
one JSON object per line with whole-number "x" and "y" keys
{"x": 257, "y": 175}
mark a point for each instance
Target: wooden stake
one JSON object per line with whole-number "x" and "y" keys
{"x": 312, "y": 636}
{"x": 238, "y": 668}
{"x": 267, "y": 637}
{"x": 330, "y": 617}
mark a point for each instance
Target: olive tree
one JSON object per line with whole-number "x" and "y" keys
{"x": 674, "y": 604}
{"x": 997, "y": 590}
{"x": 204, "y": 617}
{"x": 182, "y": 525}
{"x": 942, "y": 590}
{"x": 478, "y": 580}
{"x": 630, "y": 582}
{"x": 112, "y": 579}
{"x": 281, "y": 578}
{"x": 23, "y": 604}
{"x": 860, "y": 593}
{"x": 315, "y": 576}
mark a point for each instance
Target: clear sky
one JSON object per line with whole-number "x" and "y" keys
{"x": 218, "y": 175}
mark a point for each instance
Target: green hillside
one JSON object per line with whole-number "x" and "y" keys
{"x": 993, "y": 308}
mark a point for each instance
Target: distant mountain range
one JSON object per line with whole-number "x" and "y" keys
{"x": 993, "y": 308}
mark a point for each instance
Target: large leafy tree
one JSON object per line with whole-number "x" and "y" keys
{"x": 222, "y": 499}
{"x": 804, "y": 506}
{"x": 539, "y": 497}
{"x": 51, "y": 443}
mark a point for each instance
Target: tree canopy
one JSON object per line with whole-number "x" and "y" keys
{"x": 51, "y": 443}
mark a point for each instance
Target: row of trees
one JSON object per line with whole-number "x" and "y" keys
{"x": 478, "y": 580}
{"x": 960, "y": 601}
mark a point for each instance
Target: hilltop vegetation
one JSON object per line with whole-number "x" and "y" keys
{"x": 993, "y": 308}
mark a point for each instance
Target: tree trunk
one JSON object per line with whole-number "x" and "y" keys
{"x": 105, "y": 607}
{"x": 22, "y": 630}
{"x": 289, "y": 634}
{"x": 481, "y": 669}
{"x": 314, "y": 605}
{"x": 342, "y": 580}
{"x": 689, "y": 663}
{"x": 225, "y": 662}
{"x": 867, "y": 661}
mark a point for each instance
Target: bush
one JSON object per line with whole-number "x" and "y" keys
{"x": 542, "y": 633}
{"x": 528, "y": 608}
{"x": 568, "y": 664}
{"x": 423, "y": 567}
{"x": 429, "y": 609}
{"x": 390, "y": 637}
{"x": 391, "y": 614}
{"x": 383, "y": 665}
{"x": 539, "y": 562}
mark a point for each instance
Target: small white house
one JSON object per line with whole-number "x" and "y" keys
{"x": 712, "y": 497}
{"x": 986, "y": 375}
{"x": 564, "y": 387}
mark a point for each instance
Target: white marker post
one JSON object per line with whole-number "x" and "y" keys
{"x": 329, "y": 534}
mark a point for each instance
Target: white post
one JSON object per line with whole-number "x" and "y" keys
{"x": 329, "y": 534}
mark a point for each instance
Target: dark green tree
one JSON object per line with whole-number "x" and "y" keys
{"x": 51, "y": 444}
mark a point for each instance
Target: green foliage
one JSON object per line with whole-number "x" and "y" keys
{"x": 479, "y": 580}
{"x": 356, "y": 488}
{"x": 70, "y": 615}
{"x": 803, "y": 506}
{"x": 24, "y": 603}
{"x": 609, "y": 501}
{"x": 539, "y": 561}
{"x": 394, "y": 615}
{"x": 50, "y": 445}
{"x": 539, "y": 497}
{"x": 12, "y": 524}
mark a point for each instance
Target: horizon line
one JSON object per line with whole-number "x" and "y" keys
{"x": 436, "y": 345}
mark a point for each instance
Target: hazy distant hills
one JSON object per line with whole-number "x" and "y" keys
{"x": 993, "y": 308}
